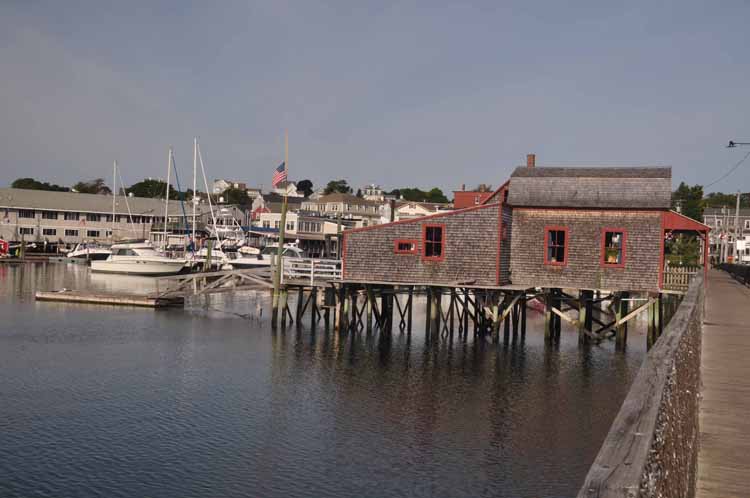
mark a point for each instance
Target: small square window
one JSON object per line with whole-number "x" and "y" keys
{"x": 403, "y": 246}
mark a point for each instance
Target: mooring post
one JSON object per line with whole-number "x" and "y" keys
{"x": 466, "y": 312}
{"x": 506, "y": 326}
{"x": 369, "y": 296}
{"x": 451, "y": 310}
{"x": 300, "y": 301}
{"x": 428, "y": 313}
{"x": 621, "y": 309}
{"x": 496, "y": 312}
{"x": 515, "y": 313}
{"x": 523, "y": 315}
{"x": 283, "y": 306}
{"x": 436, "y": 310}
{"x": 313, "y": 307}
{"x": 548, "y": 325}
{"x": 409, "y": 308}
{"x": 341, "y": 316}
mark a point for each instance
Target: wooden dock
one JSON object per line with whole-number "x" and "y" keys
{"x": 724, "y": 457}
{"x": 112, "y": 299}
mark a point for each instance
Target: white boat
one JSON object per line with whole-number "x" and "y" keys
{"x": 264, "y": 258}
{"x": 138, "y": 258}
{"x": 89, "y": 252}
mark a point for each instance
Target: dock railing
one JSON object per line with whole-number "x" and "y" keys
{"x": 741, "y": 273}
{"x": 311, "y": 271}
{"x": 652, "y": 447}
{"x": 678, "y": 278}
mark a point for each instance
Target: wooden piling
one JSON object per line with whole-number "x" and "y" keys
{"x": 621, "y": 309}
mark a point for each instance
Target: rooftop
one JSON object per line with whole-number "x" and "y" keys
{"x": 587, "y": 187}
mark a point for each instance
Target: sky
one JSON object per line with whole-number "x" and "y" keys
{"x": 394, "y": 93}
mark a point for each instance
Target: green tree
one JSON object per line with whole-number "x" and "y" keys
{"x": 31, "y": 184}
{"x": 306, "y": 187}
{"x": 337, "y": 186}
{"x": 359, "y": 192}
{"x": 718, "y": 199}
{"x": 683, "y": 250}
{"x": 418, "y": 195}
{"x": 689, "y": 201}
{"x": 236, "y": 196}
{"x": 152, "y": 188}
{"x": 93, "y": 187}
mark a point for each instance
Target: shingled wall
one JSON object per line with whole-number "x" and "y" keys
{"x": 584, "y": 270}
{"x": 471, "y": 237}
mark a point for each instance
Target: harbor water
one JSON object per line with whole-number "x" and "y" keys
{"x": 100, "y": 401}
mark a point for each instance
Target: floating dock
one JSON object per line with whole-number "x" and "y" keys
{"x": 112, "y": 299}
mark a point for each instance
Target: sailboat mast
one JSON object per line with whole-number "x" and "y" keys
{"x": 166, "y": 196}
{"x": 195, "y": 173}
{"x": 114, "y": 197}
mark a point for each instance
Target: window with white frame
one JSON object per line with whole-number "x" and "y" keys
{"x": 92, "y": 233}
{"x": 49, "y": 231}
{"x": 72, "y": 216}
{"x": 26, "y": 213}
{"x": 26, "y": 231}
{"x": 49, "y": 215}
{"x": 71, "y": 233}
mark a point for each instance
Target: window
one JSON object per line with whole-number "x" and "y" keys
{"x": 266, "y": 224}
{"x": 290, "y": 225}
{"x": 613, "y": 247}
{"x": 72, "y": 216}
{"x": 747, "y": 224}
{"x": 25, "y": 213}
{"x": 71, "y": 233}
{"x": 27, "y": 231}
{"x": 401, "y": 246}
{"x": 718, "y": 222}
{"x": 92, "y": 233}
{"x": 433, "y": 242}
{"x": 136, "y": 220}
{"x": 49, "y": 231}
{"x": 49, "y": 215}
{"x": 108, "y": 218}
{"x": 556, "y": 246}
{"x": 276, "y": 224}
{"x": 93, "y": 217}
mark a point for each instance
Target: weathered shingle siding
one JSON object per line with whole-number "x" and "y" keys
{"x": 583, "y": 270}
{"x": 470, "y": 251}
{"x": 505, "y": 245}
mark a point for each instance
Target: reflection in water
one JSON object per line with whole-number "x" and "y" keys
{"x": 131, "y": 402}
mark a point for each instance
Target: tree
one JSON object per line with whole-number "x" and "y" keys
{"x": 718, "y": 199}
{"x": 31, "y": 184}
{"x": 359, "y": 192}
{"x": 337, "y": 186}
{"x": 152, "y": 188}
{"x": 236, "y": 196}
{"x": 683, "y": 250}
{"x": 689, "y": 201}
{"x": 93, "y": 187}
{"x": 306, "y": 187}
{"x": 418, "y": 195}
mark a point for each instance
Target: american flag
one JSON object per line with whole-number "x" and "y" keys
{"x": 279, "y": 175}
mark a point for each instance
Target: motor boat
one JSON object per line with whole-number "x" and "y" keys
{"x": 89, "y": 252}
{"x": 138, "y": 258}
{"x": 264, "y": 258}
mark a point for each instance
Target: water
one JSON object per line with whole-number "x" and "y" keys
{"x": 208, "y": 402}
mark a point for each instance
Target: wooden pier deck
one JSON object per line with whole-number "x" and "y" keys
{"x": 114, "y": 299}
{"x": 724, "y": 456}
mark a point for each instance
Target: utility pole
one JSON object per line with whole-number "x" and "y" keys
{"x": 736, "y": 229}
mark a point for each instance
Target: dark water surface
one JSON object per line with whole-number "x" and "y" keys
{"x": 208, "y": 402}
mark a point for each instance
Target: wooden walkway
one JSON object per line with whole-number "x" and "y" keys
{"x": 724, "y": 457}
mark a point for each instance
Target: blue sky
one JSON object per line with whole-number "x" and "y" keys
{"x": 401, "y": 94}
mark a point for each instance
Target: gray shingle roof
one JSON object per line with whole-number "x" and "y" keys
{"x": 606, "y": 187}
{"x": 88, "y": 203}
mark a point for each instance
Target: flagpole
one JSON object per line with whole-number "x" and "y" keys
{"x": 279, "y": 300}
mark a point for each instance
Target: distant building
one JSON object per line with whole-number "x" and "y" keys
{"x": 70, "y": 218}
{"x": 221, "y": 185}
{"x": 346, "y": 206}
{"x": 721, "y": 220}
{"x": 466, "y": 198}
{"x": 290, "y": 188}
{"x": 373, "y": 192}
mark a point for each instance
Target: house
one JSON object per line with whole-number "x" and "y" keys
{"x": 585, "y": 228}
{"x": 346, "y": 206}
{"x": 406, "y": 210}
{"x": 466, "y": 198}
{"x": 723, "y": 236}
{"x": 289, "y": 189}
{"x": 70, "y": 217}
{"x": 220, "y": 185}
{"x": 373, "y": 192}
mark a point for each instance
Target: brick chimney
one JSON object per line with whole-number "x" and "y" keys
{"x": 530, "y": 160}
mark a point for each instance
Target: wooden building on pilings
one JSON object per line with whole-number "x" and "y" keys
{"x": 584, "y": 239}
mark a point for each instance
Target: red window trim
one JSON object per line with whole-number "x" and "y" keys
{"x": 624, "y": 232}
{"x": 442, "y": 242}
{"x": 547, "y": 230}
{"x": 396, "y": 242}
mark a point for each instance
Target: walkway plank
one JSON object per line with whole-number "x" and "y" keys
{"x": 724, "y": 457}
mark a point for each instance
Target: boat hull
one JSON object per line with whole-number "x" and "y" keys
{"x": 143, "y": 268}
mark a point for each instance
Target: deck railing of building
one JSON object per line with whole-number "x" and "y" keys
{"x": 678, "y": 278}
{"x": 311, "y": 271}
{"x": 652, "y": 447}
